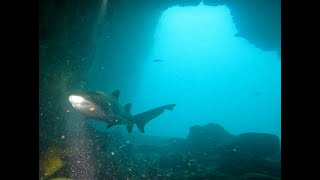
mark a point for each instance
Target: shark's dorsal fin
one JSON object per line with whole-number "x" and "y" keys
{"x": 127, "y": 107}
{"x": 116, "y": 94}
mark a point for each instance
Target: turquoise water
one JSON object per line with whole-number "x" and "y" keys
{"x": 206, "y": 69}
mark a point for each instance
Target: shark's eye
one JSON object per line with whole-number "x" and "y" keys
{"x": 83, "y": 103}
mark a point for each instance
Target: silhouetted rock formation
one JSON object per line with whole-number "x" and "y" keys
{"x": 207, "y": 138}
{"x": 250, "y": 152}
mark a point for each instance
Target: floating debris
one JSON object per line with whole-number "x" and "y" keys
{"x": 158, "y": 60}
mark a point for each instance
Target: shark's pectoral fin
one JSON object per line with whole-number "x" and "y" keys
{"x": 143, "y": 118}
{"x": 129, "y": 128}
{"x": 110, "y": 125}
{"x": 113, "y": 121}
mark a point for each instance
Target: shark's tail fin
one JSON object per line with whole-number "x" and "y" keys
{"x": 143, "y": 118}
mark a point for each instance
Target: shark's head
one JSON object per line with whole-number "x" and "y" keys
{"x": 85, "y": 106}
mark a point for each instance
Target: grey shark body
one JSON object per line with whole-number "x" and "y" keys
{"x": 104, "y": 107}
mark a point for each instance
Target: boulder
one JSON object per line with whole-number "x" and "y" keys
{"x": 207, "y": 138}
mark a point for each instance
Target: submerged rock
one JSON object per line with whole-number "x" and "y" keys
{"x": 207, "y": 138}
{"x": 260, "y": 145}
{"x": 177, "y": 145}
{"x": 256, "y": 176}
{"x": 51, "y": 162}
{"x": 171, "y": 161}
{"x": 250, "y": 152}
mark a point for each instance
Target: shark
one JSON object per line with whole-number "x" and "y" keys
{"x": 106, "y": 108}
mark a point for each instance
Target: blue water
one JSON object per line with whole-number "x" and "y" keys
{"x": 207, "y": 70}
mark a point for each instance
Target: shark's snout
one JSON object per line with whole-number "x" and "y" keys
{"x": 76, "y": 99}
